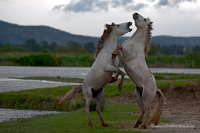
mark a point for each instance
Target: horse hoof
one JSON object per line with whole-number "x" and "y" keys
{"x": 136, "y": 126}
{"x": 112, "y": 80}
{"x": 105, "y": 125}
{"x": 142, "y": 127}
{"x": 119, "y": 89}
{"x": 90, "y": 125}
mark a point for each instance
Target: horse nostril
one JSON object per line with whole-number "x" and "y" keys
{"x": 129, "y": 23}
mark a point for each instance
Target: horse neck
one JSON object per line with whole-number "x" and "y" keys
{"x": 137, "y": 42}
{"x": 140, "y": 36}
{"x": 111, "y": 41}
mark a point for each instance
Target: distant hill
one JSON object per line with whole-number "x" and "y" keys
{"x": 184, "y": 41}
{"x": 17, "y": 34}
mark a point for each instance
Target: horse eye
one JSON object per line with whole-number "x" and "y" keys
{"x": 145, "y": 19}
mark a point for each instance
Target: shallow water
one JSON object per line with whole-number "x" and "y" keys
{"x": 7, "y": 84}
{"x": 10, "y": 84}
{"x": 13, "y": 71}
{"x": 13, "y": 114}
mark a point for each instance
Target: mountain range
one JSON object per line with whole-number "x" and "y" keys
{"x": 18, "y": 34}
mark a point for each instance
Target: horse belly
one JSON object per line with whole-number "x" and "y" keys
{"x": 98, "y": 79}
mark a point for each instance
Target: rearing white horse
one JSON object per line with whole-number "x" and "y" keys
{"x": 101, "y": 71}
{"x": 133, "y": 53}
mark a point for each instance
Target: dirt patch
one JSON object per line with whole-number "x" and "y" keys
{"x": 182, "y": 109}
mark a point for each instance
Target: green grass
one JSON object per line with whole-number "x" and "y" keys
{"x": 191, "y": 60}
{"x": 117, "y": 116}
{"x": 86, "y": 59}
{"x": 166, "y": 79}
{"x": 37, "y": 99}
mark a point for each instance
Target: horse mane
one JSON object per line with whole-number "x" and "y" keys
{"x": 148, "y": 37}
{"x": 106, "y": 32}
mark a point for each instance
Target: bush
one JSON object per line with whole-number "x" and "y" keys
{"x": 42, "y": 59}
{"x": 29, "y": 101}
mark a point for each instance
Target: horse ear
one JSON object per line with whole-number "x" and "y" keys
{"x": 107, "y": 26}
{"x": 148, "y": 20}
{"x": 113, "y": 24}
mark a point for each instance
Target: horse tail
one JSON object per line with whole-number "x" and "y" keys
{"x": 70, "y": 95}
{"x": 159, "y": 107}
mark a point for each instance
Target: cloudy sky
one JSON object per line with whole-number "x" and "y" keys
{"x": 87, "y": 17}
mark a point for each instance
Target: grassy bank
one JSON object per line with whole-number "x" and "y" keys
{"x": 46, "y": 99}
{"x": 85, "y": 59}
{"x": 116, "y": 115}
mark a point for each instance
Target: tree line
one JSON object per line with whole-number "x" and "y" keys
{"x": 31, "y": 45}
{"x": 173, "y": 49}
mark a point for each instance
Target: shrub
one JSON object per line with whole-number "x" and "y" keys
{"x": 42, "y": 59}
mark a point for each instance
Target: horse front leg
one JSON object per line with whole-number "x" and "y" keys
{"x": 121, "y": 81}
{"x": 126, "y": 55}
{"x": 115, "y": 52}
{"x": 111, "y": 68}
{"x": 114, "y": 78}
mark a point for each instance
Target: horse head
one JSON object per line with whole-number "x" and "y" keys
{"x": 117, "y": 29}
{"x": 120, "y": 29}
{"x": 140, "y": 21}
{"x": 144, "y": 23}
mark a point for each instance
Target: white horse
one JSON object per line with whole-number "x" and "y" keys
{"x": 133, "y": 53}
{"x": 102, "y": 69}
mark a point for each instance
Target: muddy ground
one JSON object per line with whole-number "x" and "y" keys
{"x": 182, "y": 109}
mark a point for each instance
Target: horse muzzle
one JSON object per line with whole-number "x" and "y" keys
{"x": 129, "y": 24}
{"x": 135, "y": 16}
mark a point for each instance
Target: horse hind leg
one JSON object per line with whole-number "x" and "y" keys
{"x": 138, "y": 97}
{"x": 139, "y": 121}
{"x": 147, "y": 113}
{"x": 88, "y": 97}
{"x": 99, "y": 97}
{"x": 146, "y": 99}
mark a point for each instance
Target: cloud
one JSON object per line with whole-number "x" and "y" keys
{"x": 163, "y": 2}
{"x": 136, "y": 7}
{"x": 82, "y": 6}
{"x": 98, "y": 5}
{"x": 172, "y": 3}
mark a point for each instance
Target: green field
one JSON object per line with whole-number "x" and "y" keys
{"x": 73, "y": 119}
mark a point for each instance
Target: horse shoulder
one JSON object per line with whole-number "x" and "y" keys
{"x": 104, "y": 59}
